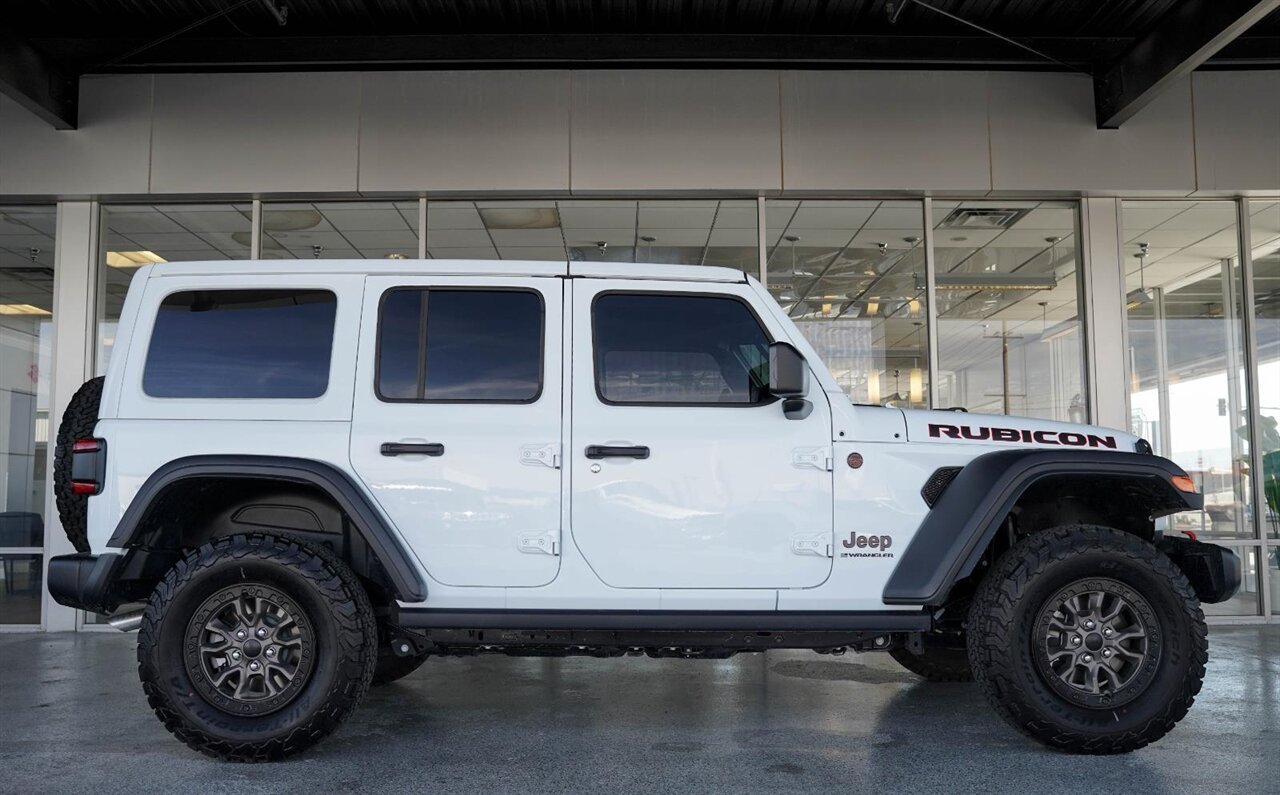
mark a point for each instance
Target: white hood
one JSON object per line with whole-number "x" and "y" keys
{"x": 994, "y": 430}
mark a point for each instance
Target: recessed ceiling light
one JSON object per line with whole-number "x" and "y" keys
{"x": 24, "y": 309}
{"x": 132, "y": 259}
{"x": 520, "y": 217}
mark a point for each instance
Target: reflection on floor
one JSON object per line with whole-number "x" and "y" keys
{"x": 75, "y": 720}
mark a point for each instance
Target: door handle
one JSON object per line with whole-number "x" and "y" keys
{"x": 408, "y": 448}
{"x": 608, "y": 451}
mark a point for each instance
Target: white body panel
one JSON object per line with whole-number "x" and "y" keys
{"x": 486, "y": 512}
{"x": 706, "y": 523}
{"x": 720, "y": 503}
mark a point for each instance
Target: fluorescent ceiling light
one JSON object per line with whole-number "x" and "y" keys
{"x": 1137, "y": 298}
{"x": 132, "y": 259}
{"x": 24, "y": 309}
{"x": 995, "y": 281}
{"x": 520, "y": 217}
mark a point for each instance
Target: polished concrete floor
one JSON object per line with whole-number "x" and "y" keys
{"x": 73, "y": 719}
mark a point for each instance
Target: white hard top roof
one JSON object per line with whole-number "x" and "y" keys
{"x": 454, "y": 267}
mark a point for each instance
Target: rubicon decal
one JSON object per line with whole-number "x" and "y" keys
{"x": 867, "y": 546}
{"x": 983, "y": 433}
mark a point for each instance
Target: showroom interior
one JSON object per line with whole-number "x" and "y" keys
{"x": 1014, "y": 258}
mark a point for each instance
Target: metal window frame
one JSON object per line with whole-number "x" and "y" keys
{"x": 83, "y": 350}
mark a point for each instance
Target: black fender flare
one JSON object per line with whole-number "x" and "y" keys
{"x": 337, "y": 484}
{"x": 954, "y": 536}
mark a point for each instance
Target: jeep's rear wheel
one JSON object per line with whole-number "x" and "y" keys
{"x": 255, "y": 647}
{"x": 944, "y": 659}
{"x": 77, "y": 423}
{"x": 1088, "y": 639}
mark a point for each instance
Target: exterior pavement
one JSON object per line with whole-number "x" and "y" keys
{"x": 73, "y": 719}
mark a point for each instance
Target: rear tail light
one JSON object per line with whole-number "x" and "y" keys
{"x": 88, "y": 466}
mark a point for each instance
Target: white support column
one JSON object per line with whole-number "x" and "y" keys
{"x": 75, "y": 292}
{"x": 1102, "y": 270}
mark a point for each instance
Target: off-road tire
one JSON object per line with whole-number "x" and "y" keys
{"x": 77, "y": 423}
{"x": 938, "y": 663}
{"x": 392, "y": 667}
{"x": 1003, "y": 644}
{"x": 319, "y": 585}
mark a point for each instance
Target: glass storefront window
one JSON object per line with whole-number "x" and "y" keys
{"x": 1264, "y": 228}
{"x": 340, "y": 230}
{"x": 851, "y": 274}
{"x": 1009, "y": 309}
{"x": 1186, "y": 359}
{"x": 134, "y": 235}
{"x": 26, "y": 332}
{"x": 680, "y": 232}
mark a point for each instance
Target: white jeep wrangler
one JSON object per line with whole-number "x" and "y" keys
{"x": 318, "y": 474}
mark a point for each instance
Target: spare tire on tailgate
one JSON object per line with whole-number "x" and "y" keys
{"x": 77, "y": 423}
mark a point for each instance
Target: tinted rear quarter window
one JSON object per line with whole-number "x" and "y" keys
{"x": 678, "y": 349}
{"x": 460, "y": 345}
{"x": 241, "y": 344}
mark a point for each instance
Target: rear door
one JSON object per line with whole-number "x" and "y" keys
{"x": 685, "y": 473}
{"x": 457, "y": 422}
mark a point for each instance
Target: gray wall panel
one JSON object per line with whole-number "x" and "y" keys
{"x": 1237, "y": 130}
{"x": 247, "y": 133}
{"x": 1044, "y": 138}
{"x": 108, "y": 153}
{"x": 884, "y": 131}
{"x": 675, "y": 131}
{"x": 465, "y": 131}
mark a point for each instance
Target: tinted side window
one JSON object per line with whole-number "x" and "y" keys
{"x": 460, "y": 345}
{"x": 241, "y": 344}
{"x": 678, "y": 349}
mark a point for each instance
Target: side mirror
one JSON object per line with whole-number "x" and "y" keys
{"x": 788, "y": 374}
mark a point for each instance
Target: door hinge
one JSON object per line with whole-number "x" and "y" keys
{"x": 547, "y": 455}
{"x": 547, "y": 543}
{"x": 816, "y": 457}
{"x": 819, "y": 545}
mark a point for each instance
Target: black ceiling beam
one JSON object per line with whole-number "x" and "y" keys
{"x": 28, "y": 78}
{"x": 1184, "y": 38}
{"x": 569, "y": 49}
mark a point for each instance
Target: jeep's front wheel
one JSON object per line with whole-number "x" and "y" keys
{"x": 1088, "y": 639}
{"x": 255, "y": 647}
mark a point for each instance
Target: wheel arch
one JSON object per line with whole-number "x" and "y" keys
{"x": 247, "y": 493}
{"x": 1037, "y": 489}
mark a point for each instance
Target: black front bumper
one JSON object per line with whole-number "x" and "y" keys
{"x": 85, "y": 581}
{"x": 1214, "y": 571}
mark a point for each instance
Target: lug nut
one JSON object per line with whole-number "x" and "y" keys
{"x": 235, "y": 655}
{"x": 241, "y": 634}
{"x": 1088, "y": 624}
{"x": 1106, "y": 652}
{"x": 1108, "y": 632}
{"x": 271, "y": 652}
{"x": 262, "y": 632}
{"x": 1087, "y": 658}
{"x": 1075, "y": 640}
{"x": 253, "y": 666}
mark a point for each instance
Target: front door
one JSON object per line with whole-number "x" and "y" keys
{"x": 685, "y": 473}
{"x": 457, "y": 423}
